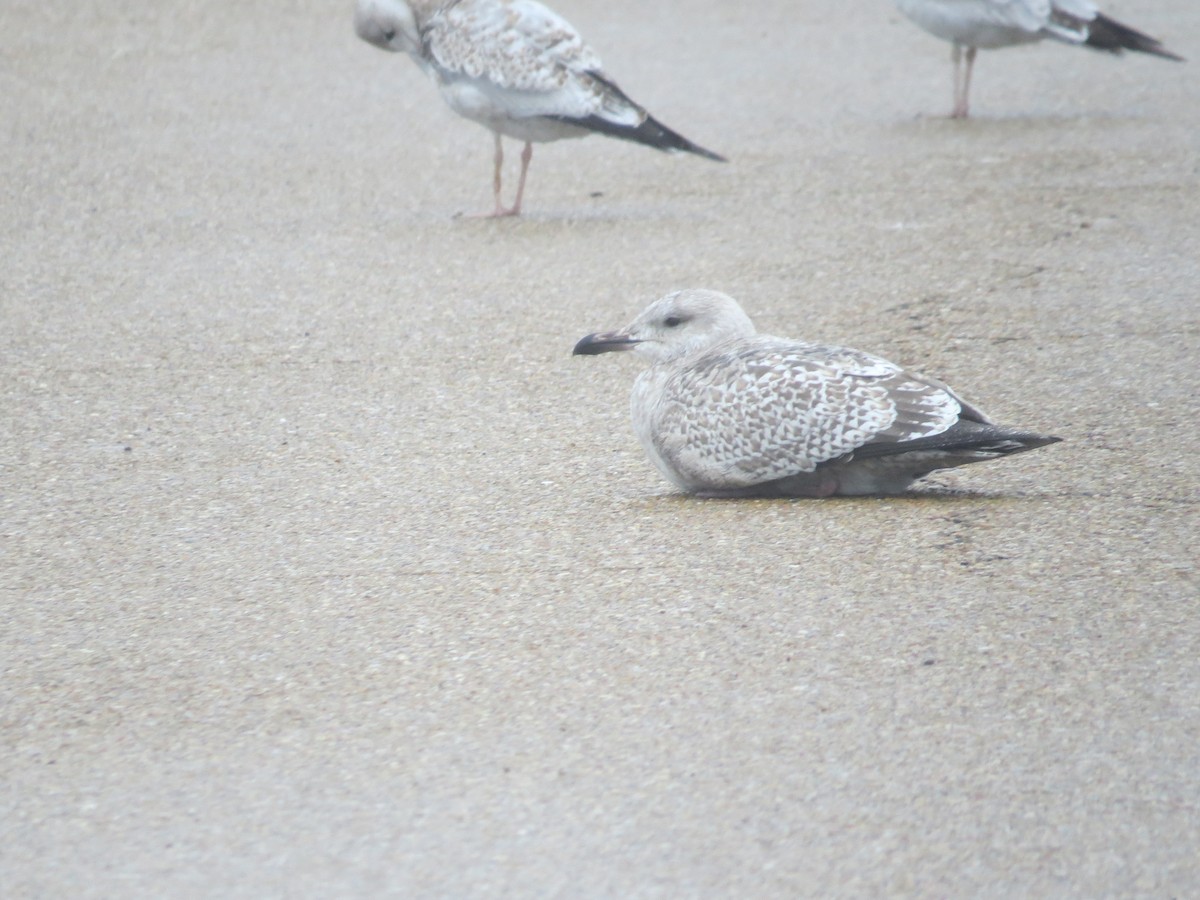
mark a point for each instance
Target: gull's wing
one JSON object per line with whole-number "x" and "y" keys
{"x": 1027, "y": 15}
{"x": 1066, "y": 20}
{"x": 770, "y": 408}
{"x": 525, "y": 56}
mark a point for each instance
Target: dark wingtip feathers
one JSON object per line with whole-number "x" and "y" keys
{"x": 1110, "y": 35}
{"x": 964, "y": 437}
{"x": 1016, "y": 443}
{"x": 655, "y": 134}
{"x": 650, "y": 132}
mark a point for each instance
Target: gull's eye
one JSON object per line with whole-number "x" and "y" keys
{"x": 672, "y": 321}
{"x": 388, "y": 35}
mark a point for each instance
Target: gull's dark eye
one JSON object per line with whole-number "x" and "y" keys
{"x": 672, "y": 321}
{"x": 388, "y": 35}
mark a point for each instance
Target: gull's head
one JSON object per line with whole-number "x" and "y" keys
{"x": 675, "y": 326}
{"x": 388, "y": 24}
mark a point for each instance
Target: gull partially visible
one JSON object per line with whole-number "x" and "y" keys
{"x": 517, "y": 68}
{"x": 972, "y": 24}
{"x": 725, "y": 412}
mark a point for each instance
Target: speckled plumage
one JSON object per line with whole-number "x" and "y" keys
{"x": 724, "y": 411}
{"x": 517, "y": 68}
{"x": 973, "y": 24}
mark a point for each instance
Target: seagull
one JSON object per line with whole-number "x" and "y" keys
{"x": 517, "y": 68}
{"x": 971, "y": 24}
{"x": 725, "y": 412}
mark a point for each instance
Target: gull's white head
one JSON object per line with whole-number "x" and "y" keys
{"x": 388, "y": 24}
{"x": 675, "y": 326}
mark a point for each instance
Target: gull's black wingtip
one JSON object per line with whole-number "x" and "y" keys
{"x": 707, "y": 154}
{"x": 1113, "y": 36}
{"x": 650, "y": 132}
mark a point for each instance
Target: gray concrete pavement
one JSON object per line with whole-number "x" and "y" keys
{"x": 327, "y": 571}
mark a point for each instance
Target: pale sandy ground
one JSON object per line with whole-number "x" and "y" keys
{"x": 327, "y": 571}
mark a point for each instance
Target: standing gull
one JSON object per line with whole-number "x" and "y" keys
{"x": 517, "y": 68}
{"x": 725, "y": 412}
{"x": 971, "y": 24}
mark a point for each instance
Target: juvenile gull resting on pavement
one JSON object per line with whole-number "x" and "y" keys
{"x": 725, "y": 412}
{"x": 517, "y": 68}
{"x": 971, "y": 24}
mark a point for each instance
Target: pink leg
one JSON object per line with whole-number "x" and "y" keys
{"x": 499, "y": 158}
{"x": 966, "y": 88}
{"x": 956, "y": 53}
{"x": 827, "y": 488}
{"x": 526, "y": 156}
{"x": 501, "y": 210}
{"x": 962, "y": 80}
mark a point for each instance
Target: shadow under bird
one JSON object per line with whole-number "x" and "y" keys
{"x": 973, "y": 24}
{"x": 517, "y": 68}
{"x": 723, "y": 411}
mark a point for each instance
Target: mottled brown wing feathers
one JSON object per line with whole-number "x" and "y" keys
{"x": 783, "y": 407}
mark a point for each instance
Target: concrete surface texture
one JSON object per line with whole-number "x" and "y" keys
{"x": 327, "y": 570}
